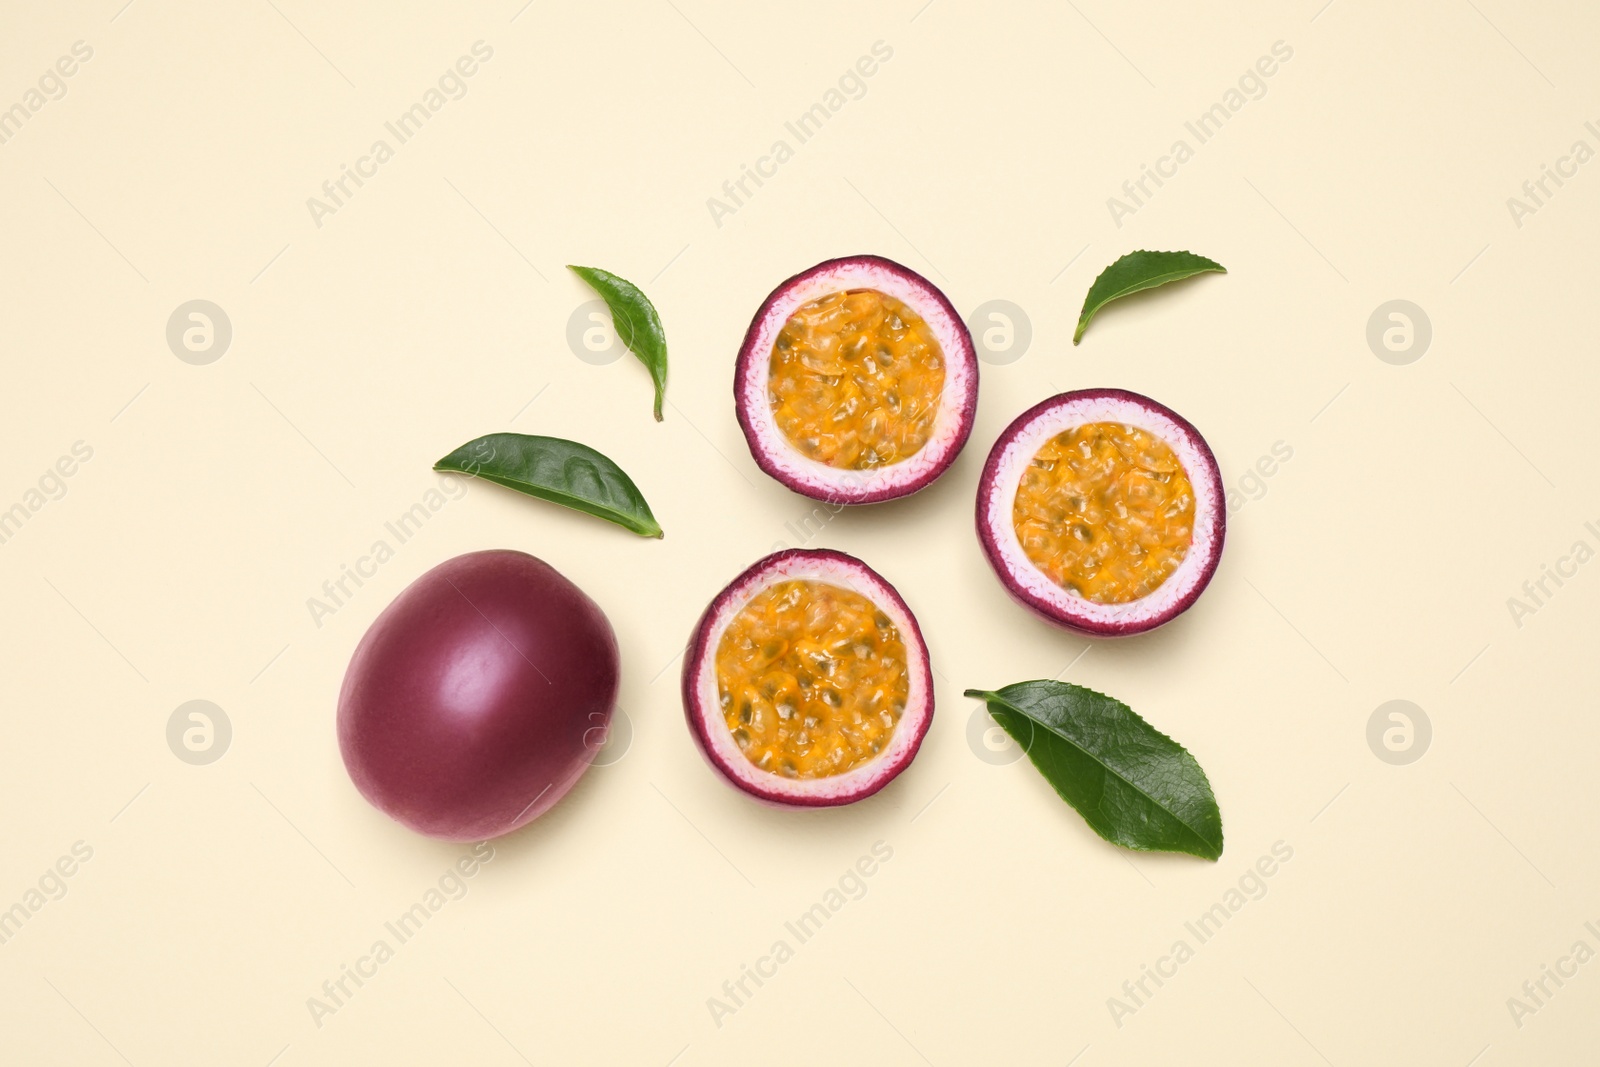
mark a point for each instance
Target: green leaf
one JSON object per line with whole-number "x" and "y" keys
{"x": 563, "y": 472}
{"x": 1134, "y": 785}
{"x": 1136, "y": 271}
{"x": 636, "y": 322}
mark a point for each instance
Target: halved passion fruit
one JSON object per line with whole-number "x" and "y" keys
{"x": 857, "y": 382}
{"x": 807, "y": 681}
{"x": 1102, "y": 511}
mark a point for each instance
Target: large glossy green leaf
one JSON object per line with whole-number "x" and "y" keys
{"x": 636, "y": 322}
{"x": 1134, "y": 785}
{"x": 563, "y": 472}
{"x": 1136, "y": 271}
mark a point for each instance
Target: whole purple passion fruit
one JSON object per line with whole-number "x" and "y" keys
{"x": 479, "y": 697}
{"x": 807, "y": 681}
{"x": 1102, "y": 511}
{"x": 857, "y": 382}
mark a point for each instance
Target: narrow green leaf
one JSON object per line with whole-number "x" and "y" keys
{"x": 636, "y": 321}
{"x": 1135, "y": 786}
{"x": 560, "y": 471}
{"x": 1136, "y": 271}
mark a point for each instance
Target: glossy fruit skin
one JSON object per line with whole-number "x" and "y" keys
{"x": 1030, "y": 588}
{"x": 779, "y": 459}
{"x": 708, "y": 727}
{"x": 478, "y": 697}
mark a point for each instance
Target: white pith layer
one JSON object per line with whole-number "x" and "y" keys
{"x": 1019, "y": 452}
{"x": 958, "y": 383}
{"x": 726, "y": 752}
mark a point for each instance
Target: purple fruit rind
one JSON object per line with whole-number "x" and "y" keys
{"x": 1208, "y": 476}
{"x": 466, "y": 763}
{"x": 844, "y": 494}
{"x": 700, "y": 658}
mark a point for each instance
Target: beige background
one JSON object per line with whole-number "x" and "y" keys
{"x": 433, "y": 307}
